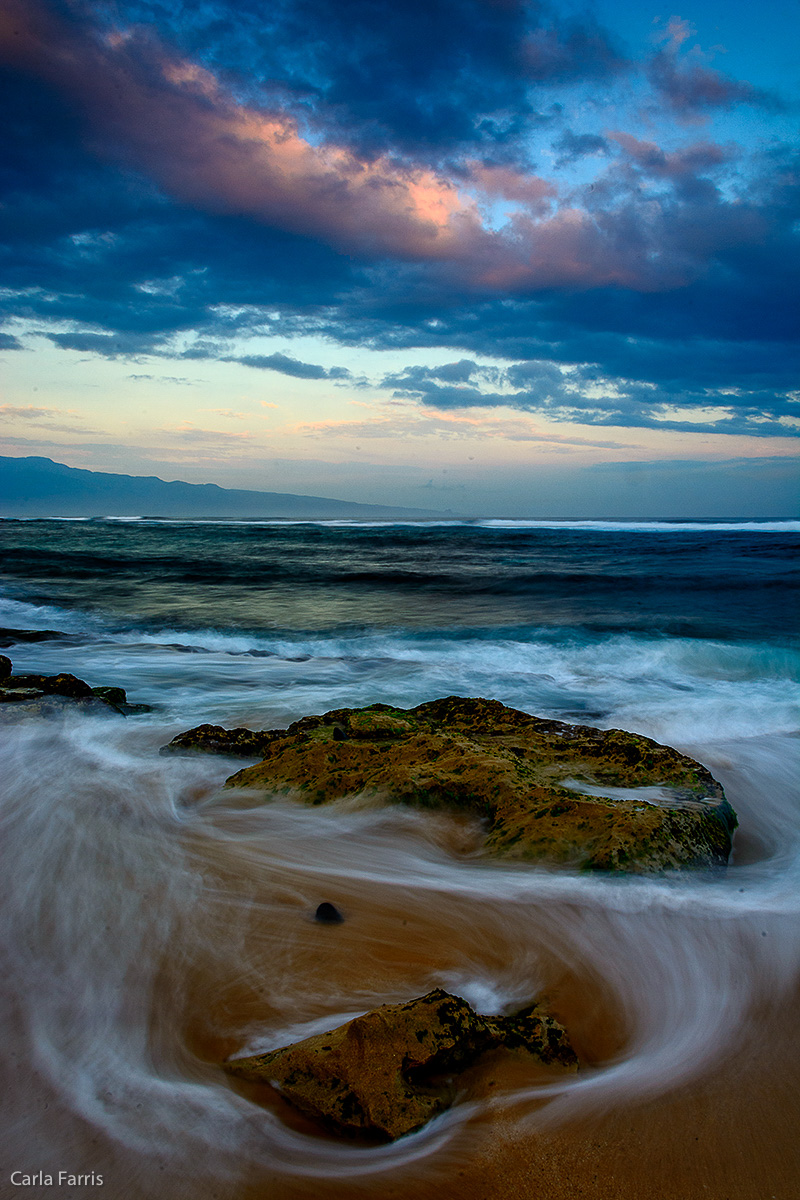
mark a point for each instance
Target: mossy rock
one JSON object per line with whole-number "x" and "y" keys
{"x": 387, "y": 1073}
{"x": 216, "y": 739}
{"x": 593, "y": 799}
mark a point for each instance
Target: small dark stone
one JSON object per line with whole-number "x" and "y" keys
{"x": 56, "y": 691}
{"x": 339, "y": 733}
{"x": 328, "y": 914}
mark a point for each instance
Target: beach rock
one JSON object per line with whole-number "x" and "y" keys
{"x": 387, "y": 1073}
{"x": 63, "y": 684}
{"x": 48, "y": 685}
{"x": 215, "y": 739}
{"x": 45, "y": 695}
{"x": 111, "y": 695}
{"x": 5, "y": 667}
{"x": 602, "y": 800}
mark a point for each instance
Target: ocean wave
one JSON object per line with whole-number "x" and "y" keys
{"x": 671, "y": 689}
{"x": 721, "y": 526}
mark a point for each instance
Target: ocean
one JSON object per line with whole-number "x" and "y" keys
{"x": 153, "y": 924}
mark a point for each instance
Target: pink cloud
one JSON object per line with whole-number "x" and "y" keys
{"x": 701, "y": 156}
{"x": 173, "y": 120}
{"x": 506, "y": 183}
{"x": 675, "y": 33}
{"x": 689, "y": 85}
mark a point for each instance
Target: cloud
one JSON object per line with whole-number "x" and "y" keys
{"x": 690, "y": 86}
{"x": 123, "y": 345}
{"x": 470, "y": 426}
{"x": 28, "y": 412}
{"x": 175, "y": 120}
{"x": 507, "y": 183}
{"x": 689, "y": 160}
{"x": 583, "y": 394}
{"x": 571, "y": 147}
{"x": 45, "y": 418}
{"x": 226, "y": 412}
{"x": 419, "y": 78}
{"x": 174, "y": 186}
{"x": 287, "y": 365}
{"x": 179, "y": 379}
{"x": 190, "y": 434}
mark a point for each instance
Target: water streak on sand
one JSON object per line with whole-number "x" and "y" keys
{"x": 145, "y": 914}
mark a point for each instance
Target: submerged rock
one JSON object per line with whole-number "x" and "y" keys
{"x": 216, "y": 739}
{"x": 385, "y": 1074}
{"x": 111, "y": 695}
{"x": 11, "y": 637}
{"x": 43, "y": 695}
{"x": 48, "y": 685}
{"x": 569, "y": 794}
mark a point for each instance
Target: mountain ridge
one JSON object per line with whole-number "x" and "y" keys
{"x": 36, "y": 486}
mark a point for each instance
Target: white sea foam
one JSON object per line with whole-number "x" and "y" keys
{"x": 502, "y": 523}
{"x": 672, "y": 689}
{"x": 651, "y": 526}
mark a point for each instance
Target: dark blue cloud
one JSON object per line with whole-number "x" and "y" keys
{"x": 89, "y": 243}
{"x": 570, "y": 146}
{"x": 286, "y": 365}
{"x": 423, "y": 77}
{"x": 585, "y": 395}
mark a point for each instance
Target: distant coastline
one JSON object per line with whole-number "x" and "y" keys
{"x": 40, "y": 487}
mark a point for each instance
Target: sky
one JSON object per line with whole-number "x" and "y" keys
{"x": 490, "y": 257}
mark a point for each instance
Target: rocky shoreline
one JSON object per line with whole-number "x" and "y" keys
{"x": 539, "y": 791}
{"x": 45, "y": 695}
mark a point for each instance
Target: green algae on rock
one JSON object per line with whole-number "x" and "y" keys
{"x": 387, "y": 1073}
{"x": 216, "y": 739}
{"x": 602, "y": 800}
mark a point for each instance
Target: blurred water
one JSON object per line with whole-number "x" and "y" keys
{"x": 152, "y": 924}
